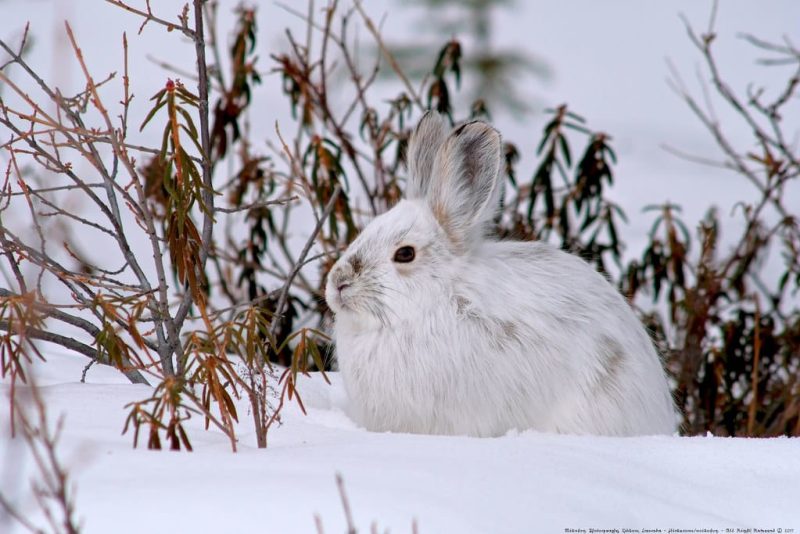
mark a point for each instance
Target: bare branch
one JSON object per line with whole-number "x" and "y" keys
{"x": 205, "y": 144}
{"x": 388, "y": 55}
{"x": 149, "y": 17}
{"x": 284, "y": 296}
{"x": 74, "y": 345}
{"x": 258, "y": 204}
{"x": 351, "y": 527}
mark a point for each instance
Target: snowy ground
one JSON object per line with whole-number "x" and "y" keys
{"x": 523, "y": 482}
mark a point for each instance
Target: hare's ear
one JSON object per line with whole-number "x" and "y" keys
{"x": 423, "y": 145}
{"x": 464, "y": 195}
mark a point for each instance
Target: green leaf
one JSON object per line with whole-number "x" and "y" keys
{"x": 152, "y": 113}
{"x": 188, "y": 118}
{"x": 165, "y": 142}
{"x": 195, "y": 142}
{"x": 565, "y": 150}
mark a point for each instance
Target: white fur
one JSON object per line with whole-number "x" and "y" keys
{"x": 476, "y": 336}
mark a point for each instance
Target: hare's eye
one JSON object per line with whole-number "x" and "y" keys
{"x": 404, "y": 255}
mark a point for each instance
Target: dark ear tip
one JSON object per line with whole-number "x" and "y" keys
{"x": 476, "y": 127}
{"x": 478, "y": 130}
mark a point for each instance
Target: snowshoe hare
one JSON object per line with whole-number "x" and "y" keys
{"x": 440, "y": 329}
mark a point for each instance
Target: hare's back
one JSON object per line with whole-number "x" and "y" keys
{"x": 536, "y": 277}
{"x": 571, "y": 313}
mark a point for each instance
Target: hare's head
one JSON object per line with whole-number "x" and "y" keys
{"x": 411, "y": 253}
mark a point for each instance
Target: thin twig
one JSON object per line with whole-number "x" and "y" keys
{"x": 74, "y": 345}
{"x": 284, "y": 296}
{"x": 149, "y": 17}
{"x": 351, "y": 527}
{"x": 388, "y": 55}
{"x": 258, "y": 204}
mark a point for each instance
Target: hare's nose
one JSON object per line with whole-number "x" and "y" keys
{"x": 340, "y": 278}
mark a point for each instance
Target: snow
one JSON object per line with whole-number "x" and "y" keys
{"x": 522, "y": 482}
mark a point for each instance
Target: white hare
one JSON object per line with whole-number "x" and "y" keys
{"x": 440, "y": 329}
